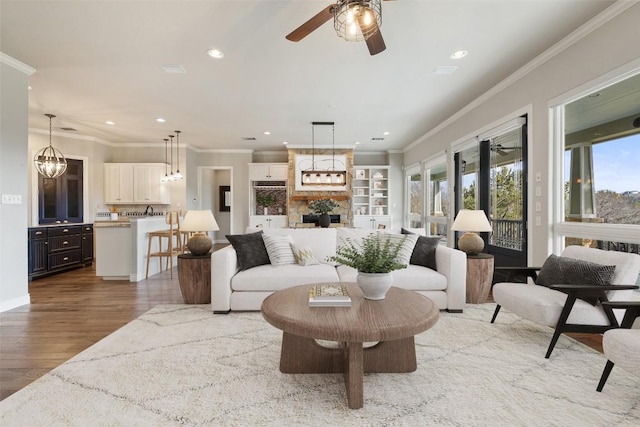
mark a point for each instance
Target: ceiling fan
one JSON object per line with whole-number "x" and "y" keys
{"x": 502, "y": 150}
{"x": 353, "y": 20}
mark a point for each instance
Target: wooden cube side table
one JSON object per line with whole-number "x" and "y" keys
{"x": 479, "y": 276}
{"x": 194, "y": 275}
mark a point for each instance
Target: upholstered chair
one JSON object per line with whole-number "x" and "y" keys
{"x": 573, "y": 302}
{"x": 622, "y": 346}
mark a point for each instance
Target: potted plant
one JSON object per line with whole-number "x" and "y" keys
{"x": 265, "y": 200}
{"x": 322, "y": 207}
{"x": 375, "y": 257}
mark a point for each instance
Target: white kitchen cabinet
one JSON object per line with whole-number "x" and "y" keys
{"x": 135, "y": 183}
{"x": 268, "y": 171}
{"x": 118, "y": 183}
{"x": 147, "y": 185}
{"x": 269, "y": 221}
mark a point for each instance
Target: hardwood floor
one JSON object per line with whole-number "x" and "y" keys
{"x": 71, "y": 311}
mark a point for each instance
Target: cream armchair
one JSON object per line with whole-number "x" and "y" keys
{"x": 561, "y": 306}
{"x": 622, "y": 346}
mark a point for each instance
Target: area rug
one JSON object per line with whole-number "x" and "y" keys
{"x": 182, "y": 365}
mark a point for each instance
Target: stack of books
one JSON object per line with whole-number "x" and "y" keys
{"x": 329, "y": 295}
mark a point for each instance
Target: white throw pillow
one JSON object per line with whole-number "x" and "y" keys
{"x": 304, "y": 256}
{"x": 404, "y": 256}
{"x": 279, "y": 249}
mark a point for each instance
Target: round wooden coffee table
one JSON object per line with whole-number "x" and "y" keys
{"x": 391, "y": 322}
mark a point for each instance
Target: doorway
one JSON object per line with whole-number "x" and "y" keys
{"x": 491, "y": 176}
{"x": 215, "y": 193}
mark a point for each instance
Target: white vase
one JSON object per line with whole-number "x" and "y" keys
{"x": 266, "y": 211}
{"x": 374, "y": 285}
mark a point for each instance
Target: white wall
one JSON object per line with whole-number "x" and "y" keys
{"x": 611, "y": 45}
{"x": 14, "y": 174}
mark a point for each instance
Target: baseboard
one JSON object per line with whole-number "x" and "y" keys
{"x": 454, "y": 311}
{"x": 14, "y": 303}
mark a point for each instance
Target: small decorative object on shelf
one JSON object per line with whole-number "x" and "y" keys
{"x": 329, "y": 295}
{"x": 265, "y": 200}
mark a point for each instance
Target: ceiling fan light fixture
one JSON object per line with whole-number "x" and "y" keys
{"x": 354, "y": 20}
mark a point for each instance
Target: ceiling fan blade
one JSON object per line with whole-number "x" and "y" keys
{"x": 375, "y": 42}
{"x": 311, "y": 25}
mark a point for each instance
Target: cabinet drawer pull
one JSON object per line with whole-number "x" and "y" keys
{"x": 66, "y": 230}
{"x": 38, "y": 233}
{"x": 65, "y": 243}
{"x": 65, "y": 258}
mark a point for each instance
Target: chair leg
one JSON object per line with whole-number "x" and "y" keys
{"x": 605, "y": 374}
{"x": 495, "y": 313}
{"x": 148, "y": 256}
{"x": 562, "y": 321}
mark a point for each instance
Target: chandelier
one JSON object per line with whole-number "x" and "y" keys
{"x": 354, "y": 20}
{"x": 329, "y": 175}
{"x": 50, "y": 162}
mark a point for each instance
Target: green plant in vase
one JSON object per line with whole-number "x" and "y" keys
{"x": 322, "y": 207}
{"x": 265, "y": 200}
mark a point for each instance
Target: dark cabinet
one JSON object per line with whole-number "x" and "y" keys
{"x": 59, "y": 248}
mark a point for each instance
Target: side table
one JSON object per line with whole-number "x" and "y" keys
{"x": 479, "y": 276}
{"x": 194, "y": 275}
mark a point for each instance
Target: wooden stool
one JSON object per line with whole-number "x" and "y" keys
{"x": 172, "y": 249}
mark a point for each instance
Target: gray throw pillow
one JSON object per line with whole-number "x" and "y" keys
{"x": 570, "y": 271}
{"x": 250, "y": 250}
{"x": 424, "y": 252}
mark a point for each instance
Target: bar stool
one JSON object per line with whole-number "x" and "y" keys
{"x": 173, "y": 248}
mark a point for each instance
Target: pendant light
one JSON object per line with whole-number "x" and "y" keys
{"x": 178, "y": 176}
{"x": 171, "y": 176}
{"x": 165, "y": 178}
{"x": 332, "y": 176}
{"x": 48, "y": 161}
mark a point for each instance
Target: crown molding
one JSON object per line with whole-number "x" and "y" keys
{"x": 578, "y": 34}
{"x": 14, "y": 63}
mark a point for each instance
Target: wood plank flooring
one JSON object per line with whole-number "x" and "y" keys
{"x": 71, "y": 311}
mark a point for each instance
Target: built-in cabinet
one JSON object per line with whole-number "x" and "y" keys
{"x": 58, "y": 248}
{"x": 269, "y": 221}
{"x": 268, "y": 171}
{"x": 268, "y": 191}
{"x": 131, "y": 183}
{"x": 371, "y": 196}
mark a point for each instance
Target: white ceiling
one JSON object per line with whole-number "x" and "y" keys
{"x": 100, "y": 60}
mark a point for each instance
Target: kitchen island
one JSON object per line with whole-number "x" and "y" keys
{"x": 121, "y": 248}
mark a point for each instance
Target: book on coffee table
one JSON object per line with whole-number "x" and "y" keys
{"x": 329, "y": 295}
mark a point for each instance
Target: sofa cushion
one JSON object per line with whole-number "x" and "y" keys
{"x": 424, "y": 253}
{"x": 304, "y": 255}
{"x": 321, "y": 241}
{"x": 414, "y": 277}
{"x": 250, "y": 250}
{"x": 565, "y": 270}
{"x": 408, "y": 243}
{"x": 269, "y": 278}
{"x": 279, "y": 249}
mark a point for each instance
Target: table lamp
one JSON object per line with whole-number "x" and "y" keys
{"x": 199, "y": 222}
{"x": 471, "y": 221}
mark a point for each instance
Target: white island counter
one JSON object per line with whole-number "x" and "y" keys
{"x": 121, "y": 248}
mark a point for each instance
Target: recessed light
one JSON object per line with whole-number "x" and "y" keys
{"x": 160, "y": 120}
{"x": 386, "y": 133}
{"x": 285, "y": 142}
{"x": 266, "y": 132}
{"x": 29, "y": 87}
{"x": 458, "y": 54}
{"x": 109, "y": 122}
{"x": 357, "y": 142}
{"x": 215, "y": 53}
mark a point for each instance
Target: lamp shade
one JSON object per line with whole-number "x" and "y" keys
{"x": 199, "y": 221}
{"x": 471, "y": 220}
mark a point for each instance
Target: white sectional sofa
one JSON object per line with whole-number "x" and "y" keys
{"x": 232, "y": 289}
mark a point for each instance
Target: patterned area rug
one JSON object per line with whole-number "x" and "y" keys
{"x": 182, "y": 365}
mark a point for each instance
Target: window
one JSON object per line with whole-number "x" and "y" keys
{"x": 416, "y": 196}
{"x": 598, "y": 180}
{"x": 437, "y": 193}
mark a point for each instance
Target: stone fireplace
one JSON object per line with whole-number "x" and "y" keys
{"x": 298, "y": 204}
